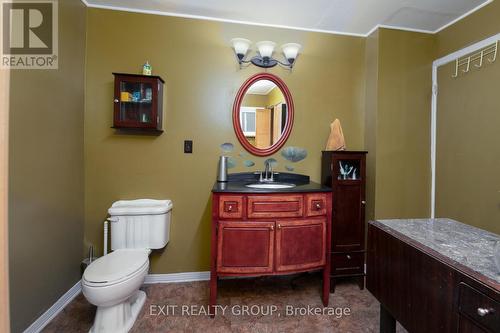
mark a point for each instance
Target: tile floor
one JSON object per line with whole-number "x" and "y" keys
{"x": 268, "y": 297}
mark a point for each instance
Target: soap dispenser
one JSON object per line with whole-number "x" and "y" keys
{"x": 222, "y": 171}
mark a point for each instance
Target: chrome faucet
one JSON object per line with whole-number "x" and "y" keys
{"x": 268, "y": 173}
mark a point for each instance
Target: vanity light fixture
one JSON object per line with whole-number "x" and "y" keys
{"x": 264, "y": 58}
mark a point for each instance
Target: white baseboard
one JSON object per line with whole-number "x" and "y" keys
{"x": 54, "y": 310}
{"x": 39, "y": 324}
{"x": 177, "y": 277}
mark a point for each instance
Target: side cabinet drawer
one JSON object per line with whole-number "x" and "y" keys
{"x": 275, "y": 206}
{"x": 231, "y": 207}
{"x": 481, "y": 309}
{"x": 315, "y": 204}
{"x": 348, "y": 263}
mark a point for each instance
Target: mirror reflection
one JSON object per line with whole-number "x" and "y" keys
{"x": 263, "y": 114}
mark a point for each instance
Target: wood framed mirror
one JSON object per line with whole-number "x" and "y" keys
{"x": 263, "y": 114}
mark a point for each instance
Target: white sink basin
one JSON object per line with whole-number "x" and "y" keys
{"x": 271, "y": 185}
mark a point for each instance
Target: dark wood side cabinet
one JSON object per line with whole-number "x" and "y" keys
{"x": 344, "y": 172}
{"x": 269, "y": 234}
{"x": 138, "y": 103}
{"x": 426, "y": 291}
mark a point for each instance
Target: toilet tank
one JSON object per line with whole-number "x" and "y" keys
{"x": 140, "y": 224}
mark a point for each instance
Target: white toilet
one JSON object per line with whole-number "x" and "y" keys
{"x": 112, "y": 282}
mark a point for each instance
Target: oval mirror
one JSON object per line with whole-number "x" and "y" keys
{"x": 263, "y": 114}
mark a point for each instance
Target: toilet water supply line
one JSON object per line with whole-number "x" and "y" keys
{"x": 106, "y": 226}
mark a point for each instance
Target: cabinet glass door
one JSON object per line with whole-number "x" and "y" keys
{"x": 348, "y": 169}
{"x": 136, "y": 103}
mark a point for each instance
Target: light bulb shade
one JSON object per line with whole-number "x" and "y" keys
{"x": 240, "y": 46}
{"x": 291, "y": 50}
{"x": 266, "y": 48}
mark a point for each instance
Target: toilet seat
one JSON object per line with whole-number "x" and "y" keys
{"x": 116, "y": 267}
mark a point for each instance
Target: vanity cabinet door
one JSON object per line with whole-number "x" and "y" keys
{"x": 300, "y": 244}
{"x": 245, "y": 247}
{"x": 348, "y": 217}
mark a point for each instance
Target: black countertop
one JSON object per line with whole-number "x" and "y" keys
{"x": 237, "y": 181}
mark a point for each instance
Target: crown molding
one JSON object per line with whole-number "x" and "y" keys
{"x": 333, "y": 32}
{"x": 215, "y": 19}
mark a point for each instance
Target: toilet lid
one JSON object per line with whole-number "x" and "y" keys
{"x": 116, "y": 265}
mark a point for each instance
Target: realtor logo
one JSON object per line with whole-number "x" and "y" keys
{"x": 29, "y": 34}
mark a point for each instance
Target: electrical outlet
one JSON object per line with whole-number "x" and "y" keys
{"x": 188, "y": 146}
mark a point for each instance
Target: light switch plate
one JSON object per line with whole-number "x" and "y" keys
{"x": 188, "y": 146}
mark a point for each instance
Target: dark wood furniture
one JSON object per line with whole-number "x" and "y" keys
{"x": 269, "y": 234}
{"x": 426, "y": 291}
{"x": 348, "y": 213}
{"x": 138, "y": 103}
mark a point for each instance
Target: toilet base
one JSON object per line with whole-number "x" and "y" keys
{"x": 119, "y": 318}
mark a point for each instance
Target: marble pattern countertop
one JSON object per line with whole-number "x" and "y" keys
{"x": 466, "y": 245}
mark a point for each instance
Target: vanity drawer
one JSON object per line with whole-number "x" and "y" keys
{"x": 348, "y": 263}
{"x": 315, "y": 204}
{"x": 277, "y": 206}
{"x": 231, "y": 206}
{"x": 480, "y": 308}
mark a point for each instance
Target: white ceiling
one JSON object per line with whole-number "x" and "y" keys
{"x": 353, "y": 17}
{"x": 261, "y": 87}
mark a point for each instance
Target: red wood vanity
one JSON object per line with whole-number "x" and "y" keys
{"x": 255, "y": 234}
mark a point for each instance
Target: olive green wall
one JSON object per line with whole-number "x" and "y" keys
{"x": 467, "y": 128}
{"x": 397, "y": 123}
{"x": 46, "y": 175}
{"x": 254, "y": 100}
{"x": 202, "y": 78}
{"x": 475, "y": 27}
{"x": 371, "y": 108}
{"x": 275, "y": 96}
{"x": 403, "y": 124}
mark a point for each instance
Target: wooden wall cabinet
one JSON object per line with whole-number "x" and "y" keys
{"x": 270, "y": 234}
{"x": 344, "y": 172}
{"x": 138, "y": 103}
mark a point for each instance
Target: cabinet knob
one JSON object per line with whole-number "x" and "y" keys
{"x": 116, "y": 100}
{"x": 363, "y": 202}
{"x": 230, "y": 208}
{"x": 318, "y": 206}
{"x": 348, "y": 257}
{"x": 272, "y": 227}
{"x": 483, "y": 312}
{"x": 279, "y": 226}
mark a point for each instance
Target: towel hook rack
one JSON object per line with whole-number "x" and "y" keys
{"x": 477, "y": 59}
{"x": 494, "y": 53}
{"x": 467, "y": 69}
{"x": 480, "y": 60}
{"x": 456, "y": 69}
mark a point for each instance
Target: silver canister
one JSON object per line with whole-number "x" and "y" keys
{"x": 222, "y": 171}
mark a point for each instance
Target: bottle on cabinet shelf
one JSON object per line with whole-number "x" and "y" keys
{"x": 147, "y": 69}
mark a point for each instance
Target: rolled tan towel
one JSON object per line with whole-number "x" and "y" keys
{"x": 336, "y": 139}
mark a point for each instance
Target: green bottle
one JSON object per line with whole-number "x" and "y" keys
{"x": 146, "y": 69}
